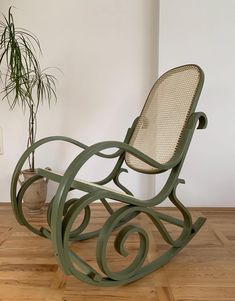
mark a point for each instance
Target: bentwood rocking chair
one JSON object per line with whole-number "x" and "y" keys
{"x": 157, "y": 142}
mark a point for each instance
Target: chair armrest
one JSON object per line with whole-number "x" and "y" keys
{"x": 26, "y": 154}
{"x": 122, "y": 147}
{"x": 34, "y": 146}
{"x": 83, "y": 157}
{"x": 95, "y": 149}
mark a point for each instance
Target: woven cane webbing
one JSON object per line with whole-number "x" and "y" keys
{"x": 164, "y": 116}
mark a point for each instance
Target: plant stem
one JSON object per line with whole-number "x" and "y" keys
{"x": 31, "y": 140}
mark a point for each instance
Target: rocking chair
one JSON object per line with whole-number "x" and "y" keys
{"x": 157, "y": 141}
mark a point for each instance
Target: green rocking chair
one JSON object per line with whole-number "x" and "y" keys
{"x": 157, "y": 142}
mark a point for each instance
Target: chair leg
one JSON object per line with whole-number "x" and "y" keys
{"x": 60, "y": 279}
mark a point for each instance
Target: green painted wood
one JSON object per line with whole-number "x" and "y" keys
{"x": 62, "y": 212}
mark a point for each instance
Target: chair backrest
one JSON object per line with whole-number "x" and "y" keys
{"x": 169, "y": 104}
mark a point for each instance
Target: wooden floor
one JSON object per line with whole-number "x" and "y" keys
{"x": 204, "y": 270}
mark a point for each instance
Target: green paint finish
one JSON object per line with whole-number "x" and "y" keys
{"x": 62, "y": 212}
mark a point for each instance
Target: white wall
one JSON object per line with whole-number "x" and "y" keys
{"x": 202, "y": 32}
{"x": 107, "y": 51}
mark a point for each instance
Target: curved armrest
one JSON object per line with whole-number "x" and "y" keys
{"x": 122, "y": 147}
{"x": 36, "y": 145}
{"x": 95, "y": 149}
{"x": 83, "y": 157}
{"x": 26, "y": 154}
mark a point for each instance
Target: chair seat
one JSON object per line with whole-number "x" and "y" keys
{"x": 78, "y": 183}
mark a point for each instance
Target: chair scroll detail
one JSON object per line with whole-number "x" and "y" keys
{"x": 157, "y": 142}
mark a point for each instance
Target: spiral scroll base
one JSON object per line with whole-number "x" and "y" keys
{"x": 73, "y": 264}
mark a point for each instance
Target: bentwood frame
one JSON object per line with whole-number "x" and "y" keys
{"x": 62, "y": 213}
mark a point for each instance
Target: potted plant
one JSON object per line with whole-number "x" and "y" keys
{"x": 25, "y": 84}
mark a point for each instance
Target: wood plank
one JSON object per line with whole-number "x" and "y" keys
{"x": 203, "y": 271}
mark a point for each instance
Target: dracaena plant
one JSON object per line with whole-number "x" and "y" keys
{"x": 23, "y": 81}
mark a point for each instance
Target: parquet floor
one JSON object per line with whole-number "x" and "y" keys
{"x": 204, "y": 270}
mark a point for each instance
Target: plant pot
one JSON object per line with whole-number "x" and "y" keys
{"x": 35, "y": 196}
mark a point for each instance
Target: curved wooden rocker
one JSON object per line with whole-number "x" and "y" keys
{"x": 157, "y": 142}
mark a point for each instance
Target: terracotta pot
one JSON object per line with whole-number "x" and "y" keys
{"x": 35, "y": 196}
